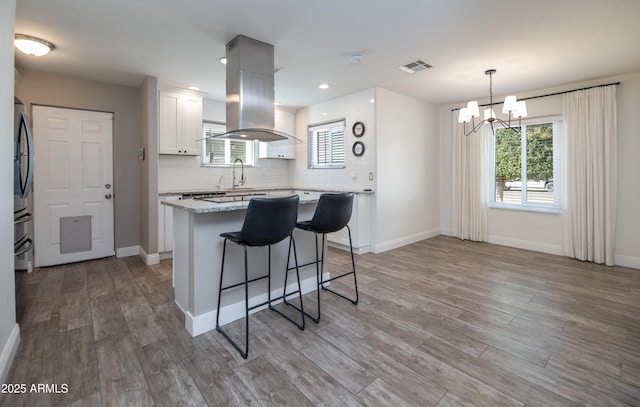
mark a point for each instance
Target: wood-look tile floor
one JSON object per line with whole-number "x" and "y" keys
{"x": 442, "y": 322}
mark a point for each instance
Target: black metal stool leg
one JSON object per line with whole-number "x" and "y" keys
{"x": 246, "y": 306}
{"x": 224, "y": 250}
{"x": 353, "y": 271}
{"x": 284, "y": 290}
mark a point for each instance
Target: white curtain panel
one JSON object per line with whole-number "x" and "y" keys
{"x": 470, "y": 196}
{"x": 591, "y": 168}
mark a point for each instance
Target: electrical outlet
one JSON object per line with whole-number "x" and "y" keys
{"x": 370, "y": 176}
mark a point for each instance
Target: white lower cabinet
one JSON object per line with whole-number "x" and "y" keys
{"x": 165, "y": 225}
{"x": 359, "y": 225}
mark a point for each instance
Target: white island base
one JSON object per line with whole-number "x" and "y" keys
{"x": 197, "y": 256}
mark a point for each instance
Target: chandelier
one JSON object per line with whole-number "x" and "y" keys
{"x": 511, "y": 107}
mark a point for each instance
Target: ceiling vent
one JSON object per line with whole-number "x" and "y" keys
{"x": 415, "y": 66}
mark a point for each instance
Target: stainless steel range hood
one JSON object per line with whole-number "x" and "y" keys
{"x": 250, "y": 91}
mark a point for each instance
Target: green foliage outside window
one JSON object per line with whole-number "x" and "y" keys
{"x": 508, "y": 155}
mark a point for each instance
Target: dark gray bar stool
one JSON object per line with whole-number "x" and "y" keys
{"x": 332, "y": 214}
{"x": 268, "y": 221}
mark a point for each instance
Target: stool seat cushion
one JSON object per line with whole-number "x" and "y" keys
{"x": 305, "y": 225}
{"x": 267, "y": 221}
{"x": 333, "y": 213}
{"x": 235, "y": 237}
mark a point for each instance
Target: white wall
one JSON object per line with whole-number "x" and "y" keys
{"x": 179, "y": 173}
{"x": 36, "y": 87}
{"x": 406, "y": 207}
{"x": 356, "y": 107}
{"x": 9, "y": 330}
{"x": 543, "y": 231}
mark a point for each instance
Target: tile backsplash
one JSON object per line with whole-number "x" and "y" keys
{"x": 180, "y": 173}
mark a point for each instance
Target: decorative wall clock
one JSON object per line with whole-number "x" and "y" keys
{"x": 358, "y": 148}
{"x": 358, "y": 129}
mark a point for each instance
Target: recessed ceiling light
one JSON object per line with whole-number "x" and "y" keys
{"x": 276, "y": 103}
{"x": 324, "y": 86}
{"x": 34, "y": 46}
{"x": 194, "y": 88}
{"x": 223, "y": 60}
{"x": 372, "y": 100}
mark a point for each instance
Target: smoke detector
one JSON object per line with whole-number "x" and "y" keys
{"x": 356, "y": 58}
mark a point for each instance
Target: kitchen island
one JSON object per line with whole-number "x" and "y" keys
{"x": 197, "y": 255}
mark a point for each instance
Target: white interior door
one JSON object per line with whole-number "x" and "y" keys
{"x": 72, "y": 185}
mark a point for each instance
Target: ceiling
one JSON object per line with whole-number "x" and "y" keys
{"x": 532, "y": 44}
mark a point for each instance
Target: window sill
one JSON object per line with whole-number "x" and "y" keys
{"x": 526, "y": 208}
{"x": 328, "y": 167}
{"x": 225, "y": 165}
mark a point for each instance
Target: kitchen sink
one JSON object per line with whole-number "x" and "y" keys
{"x": 229, "y": 197}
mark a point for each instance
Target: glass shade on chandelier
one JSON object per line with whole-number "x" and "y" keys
{"x": 511, "y": 107}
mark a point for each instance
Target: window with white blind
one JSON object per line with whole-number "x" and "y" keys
{"x": 220, "y": 151}
{"x": 326, "y": 145}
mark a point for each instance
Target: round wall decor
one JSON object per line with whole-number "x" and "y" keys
{"x": 358, "y": 148}
{"x": 358, "y": 129}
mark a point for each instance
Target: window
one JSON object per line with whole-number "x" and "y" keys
{"x": 326, "y": 145}
{"x": 220, "y": 151}
{"x": 526, "y": 165}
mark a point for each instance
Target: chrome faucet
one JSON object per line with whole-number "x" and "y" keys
{"x": 242, "y": 178}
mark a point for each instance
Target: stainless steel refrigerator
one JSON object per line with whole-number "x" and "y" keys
{"x": 23, "y": 161}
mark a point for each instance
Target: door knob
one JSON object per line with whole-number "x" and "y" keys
{"x": 108, "y": 186}
{"x": 108, "y": 196}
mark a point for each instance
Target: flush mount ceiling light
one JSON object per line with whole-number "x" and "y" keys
{"x": 511, "y": 107}
{"x": 36, "y": 47}
{"x": 324, "y": 86}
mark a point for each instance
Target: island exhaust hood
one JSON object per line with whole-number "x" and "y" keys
{"x": 250, "y": 92}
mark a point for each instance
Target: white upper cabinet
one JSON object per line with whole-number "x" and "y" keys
{"x": 180, "y": 123}
{"x": 284, "y": 121}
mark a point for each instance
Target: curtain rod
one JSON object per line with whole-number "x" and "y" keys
{"x": 548, "y": 94}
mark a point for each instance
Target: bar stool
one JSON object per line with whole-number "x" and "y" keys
{"x": 268, "y": 221}
{"x": 332, "y": 214}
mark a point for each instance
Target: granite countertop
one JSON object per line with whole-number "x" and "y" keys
{"x": 205, "y": 206}
{"x": 265, "y": 189}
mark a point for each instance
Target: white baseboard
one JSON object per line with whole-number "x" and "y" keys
{"x": 627, "y": 261}
{"x": 166, "y": 255}
{"x": 527, "y": 245}
{"x": 405, "y": 240}
{"x": 149, "y": 259}
{"x": 128, "y": 251}
{"x": 345, "y": 248}
{"x": 9, "y": 352}
{"x": 197, "y": 325}
{"x": 447, "y": 232}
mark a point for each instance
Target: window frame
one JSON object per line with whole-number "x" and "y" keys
{"x": 313, "y": 144}
{"x": 558, "y": 158}
{"x": 250, "y": 154}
